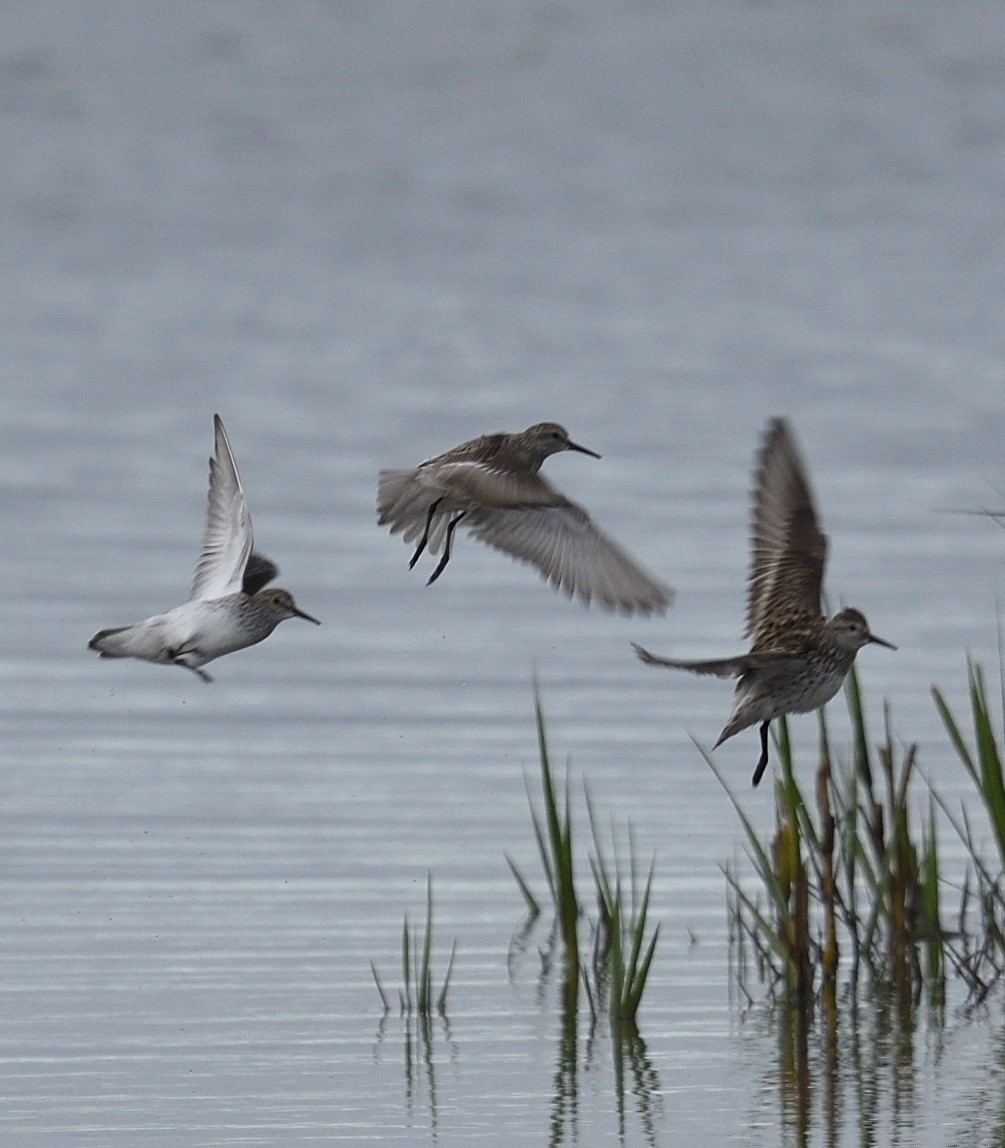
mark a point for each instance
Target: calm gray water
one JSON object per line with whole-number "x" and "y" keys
{"x": 364, "y": 233}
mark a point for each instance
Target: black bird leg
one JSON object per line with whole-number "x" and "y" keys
{"x": 179, "y": 660}
{"x": 763, "y": 760}
{"x": 425, "y": 534}
{"x": 446, "y": 549}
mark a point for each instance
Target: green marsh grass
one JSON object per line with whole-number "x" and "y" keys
{"x": 983, "y": 762}
{"x": 621, "y": 958}
{"x": 416, "y": 994}
{"x": 848, "y": 886}
{"x": 553, "y": 833}
{"x": 979, "y": 957}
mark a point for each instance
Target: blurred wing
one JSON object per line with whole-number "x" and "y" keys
{"x": 259, "y": 572}
{"x": 568, "y": 549}
{"x": 788, "y": 550}
{"x": 227, "y": 540}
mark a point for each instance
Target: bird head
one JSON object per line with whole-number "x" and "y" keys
{"x": 544, "y": 439}
{"x": 850, "y": 631}
{"x": 281, "y": 602}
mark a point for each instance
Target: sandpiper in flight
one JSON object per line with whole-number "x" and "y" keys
{"x": 797, "y": 659}
{"x": 229, "y": 607}
{"x": 493, "y": 485}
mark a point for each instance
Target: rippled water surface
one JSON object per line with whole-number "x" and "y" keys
{"x": 364, "y": 233}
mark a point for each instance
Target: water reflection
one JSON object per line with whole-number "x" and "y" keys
{"x": 983, "y": 1120}
{"x": 563, "y": 1127}
{"x": 661, "y": 221}
{"x": 633, "y": 1076}
{"x": 851, "y": 1074}
{"x": 629, "y": 1052}
{"x": 419, "y": 1032}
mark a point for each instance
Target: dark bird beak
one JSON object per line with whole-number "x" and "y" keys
{"x": 307, "y": 617}
{"x": 881, "y": 642}
{"x": 582, "y": 449}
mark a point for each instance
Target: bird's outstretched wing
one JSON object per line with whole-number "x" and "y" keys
{"x": 573, "y": 553}
{"x": 259, "y": 572}
{"x": 227, "y": 540}
{"x": 788, "y": 549}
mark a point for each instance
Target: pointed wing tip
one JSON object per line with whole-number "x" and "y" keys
{"x": 778, "y": 436}
{"x": 223, "y": 453}
{"x": 643, "y": 654}
{"x": 220, "y": 432}
{"x": 777, "y": 425}
{"x": 227, "y": 536}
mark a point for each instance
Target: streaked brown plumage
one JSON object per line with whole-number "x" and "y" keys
{"x": 797, "y": 658}
{"x": 492, "y": 484}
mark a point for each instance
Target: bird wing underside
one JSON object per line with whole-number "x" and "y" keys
{"x": 788, "y": 549}
{"x": 227, "y": 539}
{"x": 565, "y": 545}
{"x": 524, "y": 516}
